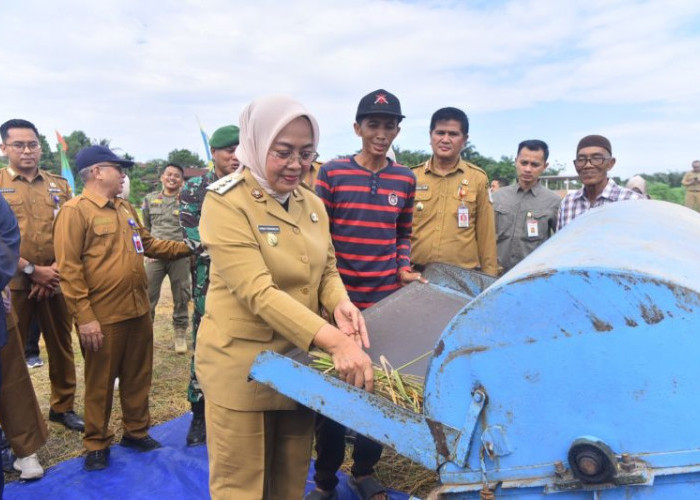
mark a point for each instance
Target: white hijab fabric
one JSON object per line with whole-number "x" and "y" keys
{"x": 260, "y": 123}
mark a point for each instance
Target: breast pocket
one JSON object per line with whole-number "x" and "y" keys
{"x": 421, "y": 203}
{"x": 505, "y": 219}
{"x": 542, "y": 227}
{"x": 16, "y": 205}
{"x": 469, "y": 201}
{"x": 104, "y": 234}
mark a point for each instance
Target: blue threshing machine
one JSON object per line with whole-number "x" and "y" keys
{"x": 576, "y": 375}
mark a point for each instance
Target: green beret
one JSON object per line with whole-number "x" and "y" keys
{"x": 224, "y": 137}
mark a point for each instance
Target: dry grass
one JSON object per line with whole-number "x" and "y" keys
{"x": 168, "y": 397}
{"x": 168, "y": 400}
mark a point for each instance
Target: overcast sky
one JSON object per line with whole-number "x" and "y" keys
{"x": 140, "y": 72}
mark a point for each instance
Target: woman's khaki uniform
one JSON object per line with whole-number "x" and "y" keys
{"x": 271, "y": 270}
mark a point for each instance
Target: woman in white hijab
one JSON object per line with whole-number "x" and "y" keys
{"x": 272, "y": 269}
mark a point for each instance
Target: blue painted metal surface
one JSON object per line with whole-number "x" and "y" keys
{"x": 596, "y": 333}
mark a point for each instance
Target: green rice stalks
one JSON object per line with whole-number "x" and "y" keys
{"x": 402, "y": 389}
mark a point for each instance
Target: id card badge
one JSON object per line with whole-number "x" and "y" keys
{"x": 532, "y": 228}
{"x": 463, "y": 216}
{"x": 138, "y": 244}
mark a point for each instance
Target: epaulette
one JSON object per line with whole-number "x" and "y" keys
{"x": 476, "y": 167}
{"x": 225, "y": 184}
{"x": 51, "y": 174}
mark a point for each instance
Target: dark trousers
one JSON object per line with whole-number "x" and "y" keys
{"x": 330, "y": 453}
{"x": 31, "y": 349}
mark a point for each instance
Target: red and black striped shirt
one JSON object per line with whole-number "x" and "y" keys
{"x": 371, "y": 214}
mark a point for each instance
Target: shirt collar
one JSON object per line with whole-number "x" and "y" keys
{"x": 14, "y": 174}
{"x": 609, "y": 189}
{"x": 461, "y": 165}
{"x": 535, "y": 190}
{"x": 607, "y": 192}
{"x": 96, "y": 198}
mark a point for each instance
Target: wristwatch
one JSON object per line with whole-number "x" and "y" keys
{"x": 28, "y": 269}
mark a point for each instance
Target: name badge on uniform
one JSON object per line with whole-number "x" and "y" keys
{"x": 136, "y": 237}
{"x": 268, "y": 229}
{"x": 532, "y": 227}
{"x": 57, "y": 205}
{"x": 138, "y": 244}
{"x": 463, "y": 216}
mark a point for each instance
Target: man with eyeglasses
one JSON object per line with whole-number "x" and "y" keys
{"x": 691, "y": 182}
{"x": 161, "y": 216}
{"x": 36, "y": 196}
{"x": 223, "y": 144}
{"x": 526, "y": 212}
{"x": 593, "y": 161}
{"x": 100, "y": 244}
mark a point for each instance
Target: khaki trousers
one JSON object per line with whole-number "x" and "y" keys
{"x": 692, "y": 200}
{"x": 127, "y": 353}
{"x": 20, "y": 414}
{"x": 258, "y": 455}
{"x": 178, "y": 271}
{"x": 55, "y": 323}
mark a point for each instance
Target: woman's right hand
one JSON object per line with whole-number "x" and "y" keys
{"x": 353, "y": 365}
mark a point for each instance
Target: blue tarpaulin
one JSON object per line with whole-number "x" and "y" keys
{"x": 174, "y": 471}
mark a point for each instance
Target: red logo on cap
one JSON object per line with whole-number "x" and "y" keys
{"x": 381, "y": 99}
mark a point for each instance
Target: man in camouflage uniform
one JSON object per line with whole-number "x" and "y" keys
{"x": 223, "y": 145}
{"x": 161, "y": 210}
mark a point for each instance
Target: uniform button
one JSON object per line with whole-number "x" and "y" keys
{"x": 305, "y": 291}
{"x": 437, "y": 228}
{"x": 296, "y": 230}
{"x": 304, "y": 259}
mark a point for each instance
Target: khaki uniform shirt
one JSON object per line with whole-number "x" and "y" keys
{"x": 102, "y": 275}
{"x": 161, "y": 216}
{"x": 516, "y": 208}
{"x": 310, "y": 178}
{"x": 271, "y": 270}
{"x": 691, "y": 181}
{"x": 35, "y": 205}
{"x": 437, "y": 236}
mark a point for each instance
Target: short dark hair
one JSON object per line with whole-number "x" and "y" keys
{"x": 174, "y": 165}
{"x": 444, "y": 114}
{"x": 15, "y": 123}
{"x": 502, "y": 181}
{"x": 535, "y": 145}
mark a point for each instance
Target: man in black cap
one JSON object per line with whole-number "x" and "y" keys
{"x": 223, "y": 144}
{"x": 369, "y": 200}
{"x": 100, "y": 245}
{"x": 593, "y": 161}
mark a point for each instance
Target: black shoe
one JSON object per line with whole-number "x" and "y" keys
{"x": 96, "y": 460}
{"x": 69, "y": 419}
{"x": 198, "y": 431}
{"x": 144, "y": 444}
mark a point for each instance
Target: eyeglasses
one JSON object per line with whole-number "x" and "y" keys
{"x": 118, "y": 168}
{"x": 596, "y": 160}
{"x": 305, "y": 157}
{"x": 19, "y": 147}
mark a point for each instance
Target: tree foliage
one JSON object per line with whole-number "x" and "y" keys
{"x": 185, "y": 158}
{"x": 144, "y": 177}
